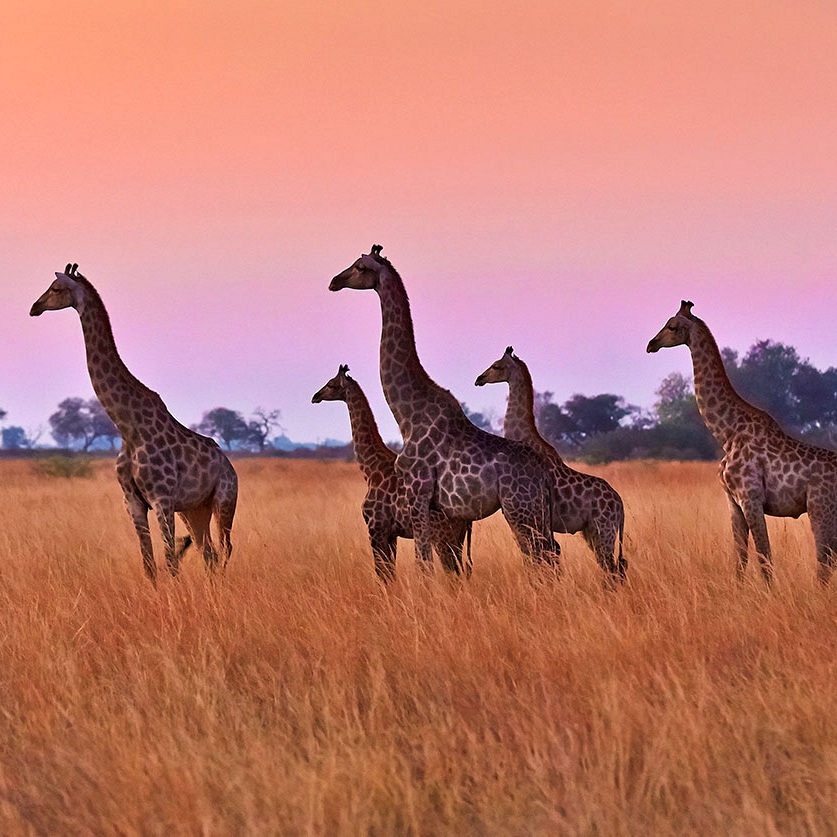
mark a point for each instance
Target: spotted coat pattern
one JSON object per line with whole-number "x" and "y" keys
{"x": 447, "y": 463}
{"x": 385, "y": 508}
{"x": 763, "y": 471}
{"x": 162, "y": 465}
{"x": 583, "y": 503}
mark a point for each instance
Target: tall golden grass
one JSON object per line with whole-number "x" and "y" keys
{"x": 295, "y": 695}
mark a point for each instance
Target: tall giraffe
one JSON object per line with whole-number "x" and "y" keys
{"x": 447, "y": 463}
{"x": 385, "y": 507}
{"x": 583, "y": 503}
{"x": 162, "y": 465}
{"x": 763, "y": 471}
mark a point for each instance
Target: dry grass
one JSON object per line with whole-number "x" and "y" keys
{"x": 295, "y": 696}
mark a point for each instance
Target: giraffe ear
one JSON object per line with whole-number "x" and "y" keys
{"x": 685, "y": 308}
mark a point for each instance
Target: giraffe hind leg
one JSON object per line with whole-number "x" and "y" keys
{"x": 197, "y": 520}
{"x": 822, "y": 513}
{"x": 603, "y": 544}
{"x": 223, "y": 507}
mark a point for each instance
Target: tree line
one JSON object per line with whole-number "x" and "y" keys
{"x": 598, "y": 428}
{"x": 80, "y": 424}
{"x": 770, "y": 375}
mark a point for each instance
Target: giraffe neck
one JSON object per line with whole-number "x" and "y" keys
{"x": 721, "y": 406}
{"x": 407, "y": 387}
{"x": 120, "y": 393}
{"x": 519, "y": 423}
{"x": 373, "y": 456}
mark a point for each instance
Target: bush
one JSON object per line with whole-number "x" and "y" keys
{"x": 64, "y": 466}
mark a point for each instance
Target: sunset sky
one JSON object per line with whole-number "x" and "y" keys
{"x": 551, "y": 175}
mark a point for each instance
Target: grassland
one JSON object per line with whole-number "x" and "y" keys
{"x": 296, "y": 696}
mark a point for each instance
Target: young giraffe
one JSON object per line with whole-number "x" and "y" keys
{"x": 447, "y": 463}
{"x": 162, "y": 465}
{"x": 583, "y": 503}
{"x": 763, "y": 471}
{"x": 385, "y": 507}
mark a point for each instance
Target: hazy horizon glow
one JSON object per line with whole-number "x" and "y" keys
{"x": 555, "y": 177}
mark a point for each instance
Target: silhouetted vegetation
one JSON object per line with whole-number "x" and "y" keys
{"x": 598, "y": 428}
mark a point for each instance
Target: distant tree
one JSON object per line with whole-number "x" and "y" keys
{"x": 14, "y": 438}
{"x": 262, "y": 423}
{"x": 553, "y": 423}
{"x": 227, "y": 426}
{"x": 79, "y": 423}
{"x": 3, "y": 414}
{"x": 101, "y": 425}
{"x": 772, "y": 376}
{"x": 675, "y": 399}
{"x": 592, "y": 416}
{"x": 479, "y": 419}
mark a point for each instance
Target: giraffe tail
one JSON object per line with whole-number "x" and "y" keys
{"x": 621, "y": 563}
{"x": 468, "y": 563}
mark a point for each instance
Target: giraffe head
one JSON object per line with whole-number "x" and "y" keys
{"x": 499, "y": 371}
{"x": 65, "y": 292}
{"x": 335, "y": 389}
{"x": 677, "y": 331}
{"x": 364, "y": 274}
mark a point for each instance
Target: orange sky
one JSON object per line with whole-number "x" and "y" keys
{"x": 550, "y": 175}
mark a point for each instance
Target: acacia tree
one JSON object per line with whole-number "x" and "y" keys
{"x": 79, "y": 423}
{"x": 225, "y": 425}
{"x": 262, "y": 423}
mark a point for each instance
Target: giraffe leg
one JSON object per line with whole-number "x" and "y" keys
{"x": 449, "y": 545}
{"x": 532, "y": 529}
{"x": 418, "y": 499}
{"x": 740, "y": 537}
{"x": 384, "y": 548}
{"x": 138, "y": 509}
{"x": 165, "y": 517}
{"x": 197, "y": 520}
{"x": 223, "y": 507}
{"x": 601, "y": 539}
{"x": 822, "y": 512}
{"x": 753, "y": 511}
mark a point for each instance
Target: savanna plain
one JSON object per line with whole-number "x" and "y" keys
{"x": 296, "y": 695}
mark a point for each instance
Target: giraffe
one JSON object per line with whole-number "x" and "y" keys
{"x": 447, "y": 463}
{"x": 162, "y": 465}
{"x": 583, "y": 503}
{"x": 384, "y": 507}
{"x": 763, "y": 471}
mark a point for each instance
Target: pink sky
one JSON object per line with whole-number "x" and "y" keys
{"x": 556, "y": 176}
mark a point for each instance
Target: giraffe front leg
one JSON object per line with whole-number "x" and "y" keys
{"x": 165, "y": 518}
{"x": 740, "y": 537}
{"x": 384, "y": 548}
{"x": 753, "y": 512}
{"x": 418, "y": 498}
{"x": 138, "y": 509}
